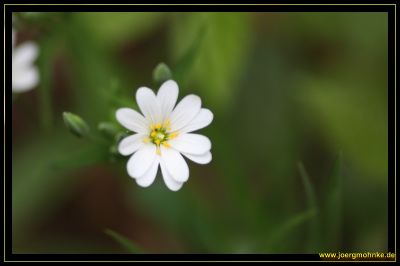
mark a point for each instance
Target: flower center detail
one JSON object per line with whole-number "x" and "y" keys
{"x": 160, "y": 134}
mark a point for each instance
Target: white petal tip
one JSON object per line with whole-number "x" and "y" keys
{"x": 170, "y": 82}
{"x": 119, "y": 114}
{"x": 200, "y": 159}
{"x": 175, "y": 189}
{"x": 140, "y": 184}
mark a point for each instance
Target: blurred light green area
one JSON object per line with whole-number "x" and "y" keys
{"x": 300, "y": 134}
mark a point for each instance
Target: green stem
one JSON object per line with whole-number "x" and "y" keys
{"x": 45, "y": 65}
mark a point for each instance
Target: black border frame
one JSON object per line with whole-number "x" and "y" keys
{"x": 390, "y": 8}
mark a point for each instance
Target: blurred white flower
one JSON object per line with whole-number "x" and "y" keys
{"x": 163, "y": 135}
{"x": 25, "y": 75}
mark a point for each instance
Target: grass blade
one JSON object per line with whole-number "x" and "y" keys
{"x": 313, "y": 231}
{"x": 289, "y": 226}
{"x": 127, "y": 244}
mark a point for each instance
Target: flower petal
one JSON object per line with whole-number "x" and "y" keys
{"x": 148, "y": 104}
{"x": 148, "y": 178}
{"x": 25, "y": 53}
{"x": 185, "y": 111}
{"x": 141, "y": 161}
{"x": 167, "y": 96}
{"x": 202, "y": 119}
{"x": 132, "y": 120}
{"x": 191, "y": 143}
{"x": 130, "y": 144}
{"x": 175, "y": 164}
{"x": 168, "y": 180}
{"x": 200, "y": 159}
{"x": 24, "y": 79}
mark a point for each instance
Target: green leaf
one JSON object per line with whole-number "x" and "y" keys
{"x": 161, "y": 73}
{"x": 126, "y": 243}
{"x": 314, "y": 225}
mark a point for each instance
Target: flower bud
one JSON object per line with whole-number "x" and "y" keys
{"x": 107, "y": 129}
{"x": 75, "y": 124}
{"x": 161, "y": 73}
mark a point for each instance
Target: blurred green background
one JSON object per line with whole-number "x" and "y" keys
{"x": 300, "y": 134}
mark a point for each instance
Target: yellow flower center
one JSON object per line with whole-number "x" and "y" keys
{"x": 160, "y": 134}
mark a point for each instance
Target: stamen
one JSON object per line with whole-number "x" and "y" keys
{"x": 167, "y": 124}
{"x": 159, "y": 135}
{"x": 166, "y": 144}
{"x": 173, "y": 135}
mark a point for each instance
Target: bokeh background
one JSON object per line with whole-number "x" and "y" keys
{"x": 300, "y": 134}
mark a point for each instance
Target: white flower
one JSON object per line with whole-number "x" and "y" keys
{"x": 25, "y": 75}
{"x": 163, "y": 135}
